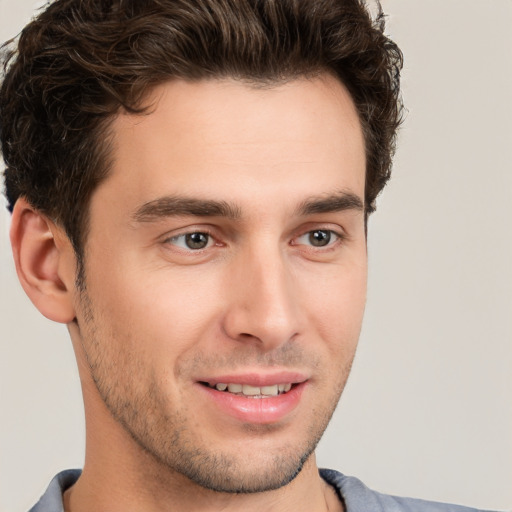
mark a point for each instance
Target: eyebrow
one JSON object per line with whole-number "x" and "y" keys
{"x": 172, "y": 206}
{"x": 337, "y": 202}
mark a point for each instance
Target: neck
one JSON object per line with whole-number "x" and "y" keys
{"x": 111, "y": 486}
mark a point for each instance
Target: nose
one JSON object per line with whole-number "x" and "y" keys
{"x": 264, "y": 303}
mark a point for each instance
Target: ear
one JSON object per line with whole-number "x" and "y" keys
{"x": 45, "y": 262}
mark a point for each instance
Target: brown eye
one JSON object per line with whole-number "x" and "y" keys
{"x": 193, "y": 241}
{"x": 196, "y": 240}
{"x": 319, "y": 237}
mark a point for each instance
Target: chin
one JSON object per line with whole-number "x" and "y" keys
{"x": 225, "y": 475}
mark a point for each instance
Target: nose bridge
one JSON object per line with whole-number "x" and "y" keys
{"x": 263, "y": 305}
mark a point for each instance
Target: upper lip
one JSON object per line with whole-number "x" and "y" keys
{"x": 257, "y": 379}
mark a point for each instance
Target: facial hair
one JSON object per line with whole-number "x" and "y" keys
{"x": 136, "y": 399}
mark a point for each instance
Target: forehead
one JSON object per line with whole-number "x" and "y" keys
{"x": 227, "y": 137}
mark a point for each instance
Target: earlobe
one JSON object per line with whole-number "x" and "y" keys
{"x": 45, "y": 262}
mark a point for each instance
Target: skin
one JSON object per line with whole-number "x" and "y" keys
{"x": 259, "y": 298}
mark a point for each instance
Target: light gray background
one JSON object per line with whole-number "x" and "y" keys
{"x": 428, "y": 409}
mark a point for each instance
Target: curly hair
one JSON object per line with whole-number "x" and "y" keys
{"x": 79, "y": 62}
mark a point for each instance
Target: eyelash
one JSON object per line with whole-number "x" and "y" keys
{"x": 211, "y": 240}
{"x": 334, "y": 238}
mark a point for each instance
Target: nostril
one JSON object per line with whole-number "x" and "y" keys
{"x": 246, "y": 335}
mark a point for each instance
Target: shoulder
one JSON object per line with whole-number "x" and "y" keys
{"x": 356, "y": 496}
{"x": 359, "y": 498}
{"x": 51, "y": 500}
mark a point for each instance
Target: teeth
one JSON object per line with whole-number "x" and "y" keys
{"x": 250, "y": 390}
{"x": 254, "y": 391}
{"x": 270, "y": 390}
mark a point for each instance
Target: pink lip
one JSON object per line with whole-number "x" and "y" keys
{"x": 255, "y": 410}
{"x": 257, "y": 379}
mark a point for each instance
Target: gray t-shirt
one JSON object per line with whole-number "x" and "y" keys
{"x": 351, "y": 491}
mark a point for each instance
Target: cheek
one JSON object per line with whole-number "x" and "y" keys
{"x": 336, "y": 307}
{"x": 338, "y": 292}
{"x": 165, "y": 310}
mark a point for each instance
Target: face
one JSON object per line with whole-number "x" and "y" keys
{"x": 225, "y": 274}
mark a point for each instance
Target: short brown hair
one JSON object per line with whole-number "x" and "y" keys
{"x": 81, "y": 61}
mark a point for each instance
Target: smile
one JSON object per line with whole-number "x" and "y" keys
{"x": 250, "y": 401}
{"x": 252, "y": 391}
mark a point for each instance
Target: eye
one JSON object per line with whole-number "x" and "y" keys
{"x": 192, "y": 241}
{"x": 318, "y": 238}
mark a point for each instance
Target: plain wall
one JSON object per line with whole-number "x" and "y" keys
{"x": 428, "y": 409}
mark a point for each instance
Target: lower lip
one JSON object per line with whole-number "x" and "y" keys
{"x": 256, "y": 410}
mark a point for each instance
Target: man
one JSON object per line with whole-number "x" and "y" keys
{"x": 190, "y": 187}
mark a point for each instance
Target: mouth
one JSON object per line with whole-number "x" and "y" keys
{"x": 256, "y": 398}
{"x": 249, "y": 391}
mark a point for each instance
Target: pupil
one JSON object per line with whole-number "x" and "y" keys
{"x": 319, "y": 238}
{"x": 196, "y": 240}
